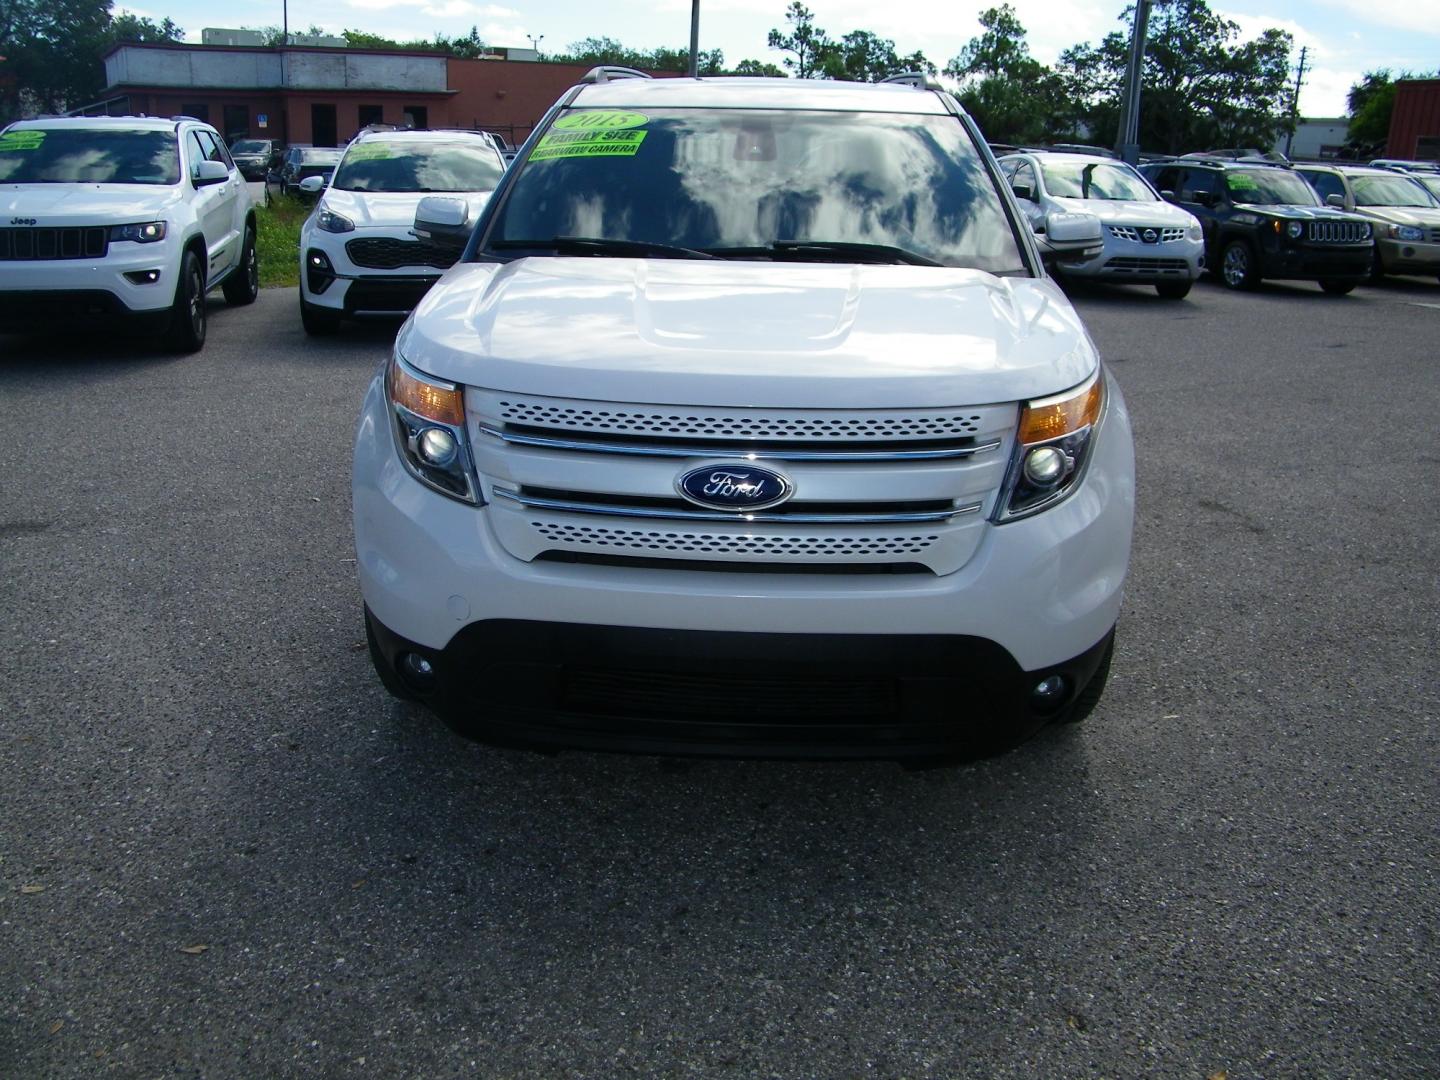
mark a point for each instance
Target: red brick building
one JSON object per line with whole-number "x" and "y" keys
{"x": 1415, "y": 121}
{"x": 323, "y": 96}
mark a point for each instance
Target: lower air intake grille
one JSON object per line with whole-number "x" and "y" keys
{"x": 737, "y": 545}
{"x": 728, "y": 696}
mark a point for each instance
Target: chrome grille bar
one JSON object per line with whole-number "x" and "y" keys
{"x": 665, "y": 513}
{"x": 769, "y": 453}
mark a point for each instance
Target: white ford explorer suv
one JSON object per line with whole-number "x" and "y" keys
{"x": 106, "y": 220}
{"x": 358, "y": 253}
{"x": 749, "y": 424}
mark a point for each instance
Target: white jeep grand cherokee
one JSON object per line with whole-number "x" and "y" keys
{"x": 106, "y": 219}
{"x": 749, "y": 424}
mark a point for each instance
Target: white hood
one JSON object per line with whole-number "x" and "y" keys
{"x": 1121, "y": 212}
{"x": 393, "y": 209}
{"x": 743, "y": 334}
{"x": 85, "y": 204}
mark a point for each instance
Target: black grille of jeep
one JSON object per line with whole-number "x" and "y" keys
{"x": 1338, "y": 232}
{"x": 17, "y": 245}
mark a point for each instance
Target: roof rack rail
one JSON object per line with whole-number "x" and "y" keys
{"x": 610, "y": 72}
{"x": 918, "y": 79}
{"x": 180, "y": 119}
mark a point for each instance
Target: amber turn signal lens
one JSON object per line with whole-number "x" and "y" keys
{"x": 433, "y": 401}
{"x": 1052, "y": 418}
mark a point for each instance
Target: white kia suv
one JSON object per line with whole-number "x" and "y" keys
{"x": 358, "y": 253}
{"x": 748, "y": 424}
{"x": 109, "y": 220}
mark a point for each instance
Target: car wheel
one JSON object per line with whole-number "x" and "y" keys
{"x": 242, "y": 286}
{"x": 1337, "y": 286}
{"x": 1173, "y": 290}
{"x": 187, "y": 316}
{"x": 1237, "y": 266}
{"x": 318, "y": 321}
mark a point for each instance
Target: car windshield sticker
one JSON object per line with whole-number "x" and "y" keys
{"x": 21, "y": 140}
{"x": 600, "y": 120}
{"x": 1241, "y": 182}
{"x": 564, "y": 144}
{"x": 369, "y": 152}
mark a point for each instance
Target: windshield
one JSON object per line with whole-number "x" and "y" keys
{"x": 1431, "y": 184}
{"x": 1095, "y": 180}
{"x": 249, "y": 146}
{"x": 417, "y": 166}
{"x": 88, "y": 156}
{"x": 741, "y": 182}
{"x": 1269, "y": 187}
{"x": 1389, "y": 191}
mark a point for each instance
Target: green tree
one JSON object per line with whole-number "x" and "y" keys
{"x": 608, "y": 51}
{"x": 1370, "y": 102}
{"x": 1011, "y": 95}
{"x": 808, "y": 44}
{"x": 861, "y": 56}
{"x": 128, "y": 27}
{"x": 1201, "y": 86}
{"x": 759, "y": 68}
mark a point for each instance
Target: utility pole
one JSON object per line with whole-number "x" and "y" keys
{"x": 1295, "y": 101}
{"x": 1127, "y": 141}
{"x": 694, "y": 39}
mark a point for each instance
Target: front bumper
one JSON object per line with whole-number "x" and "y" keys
{"x": 1409, "y": 256}
{"x": 45, "y": 293}
{"x": 1315, "y": 261}
{"x": 945, "y": 652}
{"x": 1136, "y": 262}
{"x": 330, "y": 278}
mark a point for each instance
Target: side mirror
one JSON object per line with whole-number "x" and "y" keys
{"x": 1023, "y": 191}
{"x": 211, "y": 172}
{"x": 1335, "y": 199}
{"x": 1071, "y": 237}
{"x": 1168, "y": 196}
{"x": 443, "y": 220}
{"x": 1204, "y": 198}
{"x": 312, "y": 185}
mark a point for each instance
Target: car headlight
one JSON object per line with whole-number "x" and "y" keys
{"x": 1194, "y": 232}
{"x": 1407, "y": 232}
{"x": 329, "y": 221}
{"x": 430, "y": 431}
{"x": 1051, "y": 449}
{"x": 1295, "y": 230}
{"x": 147, "y": 232}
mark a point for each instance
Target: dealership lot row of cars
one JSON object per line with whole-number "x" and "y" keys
{"x": 662, "y": 387}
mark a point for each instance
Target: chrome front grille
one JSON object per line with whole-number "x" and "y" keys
{"x": 1135, "y": 234}
{"x": 872, "y": 488}
{"x": 1338, "y": 232}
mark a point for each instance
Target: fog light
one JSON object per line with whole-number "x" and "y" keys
{"x": 143, "y": 277}
{"x": 418, "y": 672}
{"x": 437, "y": 446}
{"x": 1049, "y": 693}
{"x": 1044, "y": 465}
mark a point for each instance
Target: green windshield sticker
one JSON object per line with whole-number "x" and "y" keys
{"x": 369, "y": 152}
{"x": 21, "y": 140}
{"x": 563, "y": 144}
{"x": 600, "y": 120}
{"x": 1241, "y": 182}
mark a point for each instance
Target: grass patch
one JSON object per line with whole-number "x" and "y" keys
{"x": 277, "y": 240}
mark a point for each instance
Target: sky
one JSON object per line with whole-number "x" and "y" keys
{"x": 1345, "y": 38}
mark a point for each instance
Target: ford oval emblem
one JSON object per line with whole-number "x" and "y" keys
{"x": 734, "y": 487}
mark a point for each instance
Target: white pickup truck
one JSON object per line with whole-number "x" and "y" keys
{"x": 749, "y": 423}
{"x": 115, "y": 221}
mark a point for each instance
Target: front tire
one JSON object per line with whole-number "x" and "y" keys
{"x": 1173, "y": 290}
{"x": 243, "y": 286}
{"x": 1337, "y": 286}
{"x": 1237, "y": 267}
{"x": 318, "y": 321}
{"x": 187, "y": 315}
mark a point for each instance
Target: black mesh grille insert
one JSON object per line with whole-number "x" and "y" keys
{"x": 388, "y": 253}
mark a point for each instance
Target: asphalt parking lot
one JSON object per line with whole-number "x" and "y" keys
{"x": 225, "y": 852}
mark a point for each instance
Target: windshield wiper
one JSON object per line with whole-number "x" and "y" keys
{"x": 596, "y": 245}
{"x": 836, "y": 250}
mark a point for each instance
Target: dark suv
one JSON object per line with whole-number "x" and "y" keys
{"x": 1264, "y": 221}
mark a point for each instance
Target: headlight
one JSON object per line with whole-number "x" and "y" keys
{"x": 1295, "y": 230}
{"x": 1194, "y": 232}
{"x": 1407, "y": 232}
{"x": 430, "y": 431}
{"x": 1051, "y": 449}
{"x": 329, "y": 221}
{"x": 148, "y": 232}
